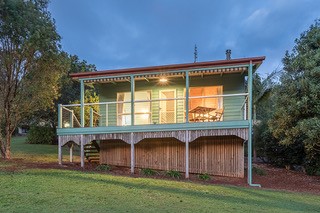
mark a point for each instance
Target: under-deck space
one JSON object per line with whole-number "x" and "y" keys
{"x": 222, "y": 156}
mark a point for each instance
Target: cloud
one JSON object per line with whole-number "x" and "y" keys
{"x": 115, "y": 34}
{"x": 256, "y": 17}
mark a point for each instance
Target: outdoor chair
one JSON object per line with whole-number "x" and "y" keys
{"x": 217, "y": 115}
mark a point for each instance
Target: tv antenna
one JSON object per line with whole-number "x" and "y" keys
{"x": 195, "y": 53}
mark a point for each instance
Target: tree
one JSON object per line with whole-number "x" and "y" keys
{"x": 296, "y": 119}
{"x": 31, "y": 63}
{"x": 70, "y": 89}
{"x": 263, "y": 111}
{"x": 69, "y": 92}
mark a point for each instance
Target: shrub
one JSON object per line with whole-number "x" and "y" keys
{"x": 103, "y": 167}
{"x": 41, "y": 135}
{"x": 259, "y": 171}
{"x": 204, "y": 176}
{"x": 174, "y": 174}
{"x": 312, "y": 163}
{"x": 148, "y": 172}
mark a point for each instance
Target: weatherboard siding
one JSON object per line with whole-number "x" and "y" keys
{"x": 232, "y": 84}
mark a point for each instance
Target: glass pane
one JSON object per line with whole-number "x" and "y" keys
{"x": 142, "y": 119}
{"x": 167, "y": 107}
{"x": 142, "y": 95}
{"x": 216, "y": 102}
{"x": 124, "y": 109}
{"x": 126, "y": 120}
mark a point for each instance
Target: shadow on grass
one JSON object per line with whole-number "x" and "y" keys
{"x": 250, "y": 197}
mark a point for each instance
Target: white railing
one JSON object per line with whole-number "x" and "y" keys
{"x": 155, "y": 111}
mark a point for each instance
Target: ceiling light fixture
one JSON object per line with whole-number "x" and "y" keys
{"x": 163, "y": 80}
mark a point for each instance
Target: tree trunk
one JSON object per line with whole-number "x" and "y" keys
{"x": 7, "y": 138}
{"x": 2, "y": 149}
{"x": 8, "y": 146}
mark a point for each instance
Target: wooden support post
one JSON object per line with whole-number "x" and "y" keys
{"x": 59, "y": 151}
{"x": 82, "y": 122}
{"x": 132, "y": 85}
{"x": 82, "y": 151}
{"x": 187, "y": 153}
{"x": 71, "y": 152}
{"x": 132, "y": 153}
{"x": 59, "y": 116}
{"x": 187, "y": 97}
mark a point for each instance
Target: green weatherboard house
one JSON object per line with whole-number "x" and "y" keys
{"x": 192, "y": 118}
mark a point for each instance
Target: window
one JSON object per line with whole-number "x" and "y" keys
{"x": 216, "y": 102}
{"x": 142, "y": 109}
{"x": 206, "y": 102}
{"x": 167, "y": 107}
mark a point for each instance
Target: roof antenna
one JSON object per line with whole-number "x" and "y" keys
{"x": 195, "y": 53}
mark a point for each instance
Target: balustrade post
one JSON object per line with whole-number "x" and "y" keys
{"x": 59, "y": 116}
{"x": 187, "y": 97}
{"x": 91, "y": 117}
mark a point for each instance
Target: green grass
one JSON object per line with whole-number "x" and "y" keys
{"x": 55, "y": 190}
{"x": 37, "y": 152}
{"x": 73, "y": 191}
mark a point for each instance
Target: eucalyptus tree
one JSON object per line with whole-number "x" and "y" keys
{"x": 31, "y": 63}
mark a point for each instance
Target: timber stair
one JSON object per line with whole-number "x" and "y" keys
{"x": 92, "y": 152}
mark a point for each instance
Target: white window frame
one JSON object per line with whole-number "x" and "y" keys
{"x": 175, "y": 104}
{"x": 119, "y": 122}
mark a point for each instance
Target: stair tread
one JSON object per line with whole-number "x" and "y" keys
{"x": 91, "y": 152}
{"x": 92, "y": 155}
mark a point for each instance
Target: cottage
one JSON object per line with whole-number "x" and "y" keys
{"x": 193, "y": 118}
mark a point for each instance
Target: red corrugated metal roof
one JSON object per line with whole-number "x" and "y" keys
{"x": 163, "y": 68}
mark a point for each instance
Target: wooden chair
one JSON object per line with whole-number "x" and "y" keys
{"x": 217, "y": 115}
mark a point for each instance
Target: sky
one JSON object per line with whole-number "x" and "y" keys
{"x": 114, "y": 34}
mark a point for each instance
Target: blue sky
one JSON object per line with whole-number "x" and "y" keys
{"x": 133, "y": 33}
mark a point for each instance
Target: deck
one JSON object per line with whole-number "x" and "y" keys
{"x": 140, "y": 132}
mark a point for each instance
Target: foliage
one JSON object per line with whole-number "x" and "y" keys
{"x": 174, "y": 174}
{"x": 103, "y": 167}
{"x": 90, "y": 96}
{"x": 259, "y": 171}
{"x": 263, "y": 111}
{"x": 296, "y": 120}
{"x": 148, "y": 172}
{"x": 31, "y": 64}
{"x": 204, "y": 176}
{"x": 69, "y": 93}
{"x": 70, "y": 89}
{"x": 40, "y": 135}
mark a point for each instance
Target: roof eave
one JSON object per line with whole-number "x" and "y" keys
{"x": 140, "y": 70}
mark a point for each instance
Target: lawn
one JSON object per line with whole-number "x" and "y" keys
{"x": 41, "y": 153}
{"x": 58, "y": 190}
